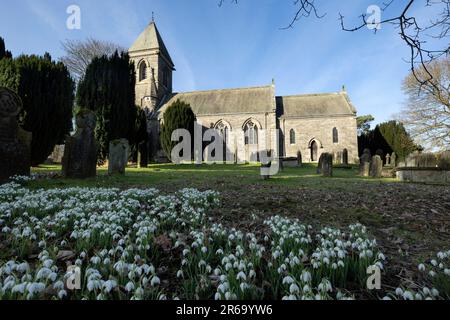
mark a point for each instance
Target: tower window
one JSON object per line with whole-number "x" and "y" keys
{"x": 166, "y": 77}
{"x": 142, "y": 71}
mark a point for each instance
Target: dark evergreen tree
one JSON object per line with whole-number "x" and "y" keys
{"x": 3, "y": 52}
{"x": 179, "y": 115}
{"x": 389, "y": 137}
{"x": 47, "y": 93}
{"x": 108, "y": 89}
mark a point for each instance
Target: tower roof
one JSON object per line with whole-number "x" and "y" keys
{"x": 151, "y": 39}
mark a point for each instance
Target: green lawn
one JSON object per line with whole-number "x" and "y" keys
{"x": 410, "y": 221}
{"x": 169, "y": 176}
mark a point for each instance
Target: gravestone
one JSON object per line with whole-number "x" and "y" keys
{"x": 299, "y": 158}
{"x": 327, "y": 165}
{"x": 345, "y": 157}
{"x": 376, "y": 167}
{"x": 119, "y": 151}
{"x": 14, "y": 153}
{"x": 393, "y": 160}
{"x": 364, "y": 163}
{"x": 143, "y": 155}
{"x": 80, "y": 153}
{"x": 320, "y": 164}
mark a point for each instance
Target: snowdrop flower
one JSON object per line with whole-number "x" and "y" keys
{"x": 294, "y": 289}
{"x": 155, "y": 281}
{"x": 241, "y": 276}
{"x": 204, "y": 250}
{"x": 434, "y": 263}
{"x": 408, "y": 295}
{"x": 306, "y": 276}
{"x": 62, "y": 294}
{"x": 421, "y": 267}
{"x": 288, "y": 280}
{"x": 399, "y": 292}
{"x": 434, "y": 292}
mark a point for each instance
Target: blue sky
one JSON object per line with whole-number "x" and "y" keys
{"x": 235, "y": 45}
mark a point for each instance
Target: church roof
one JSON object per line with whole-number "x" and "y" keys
{"x": 226, "y": 101}
{"x": 151, "y": 39}
{"x": 315, "y": 105}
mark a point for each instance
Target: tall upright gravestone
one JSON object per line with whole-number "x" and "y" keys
{"x": 119, "y": 151}
{"x": 327, "y": 165}
{"x": 14, "y": 154}
{"x": 364, "y": 163}
{"x": 376, "y": 167}
{"x": 80, "y": 153}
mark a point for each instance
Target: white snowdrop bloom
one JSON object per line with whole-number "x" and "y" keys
{"x": 387, "y": 298}
{"x": 228, "y": 266}
{"x": 217, "y": 272}
{"x": 432, "y": 274}
{"x": 244, "y": 286}
{"x": 407, "y": 295}
{"x": 426, "y": 291}
{"x": 228, "y": 296}
{"x": 19, "y": 288}
{"x": 434, "y": 292}
{"x": 434, "y": 263}
{"x": 58, "y": 285}
{"x": 306, "y": 276}
{"x": 109, "y": 285}
{"x": 95, "y": 260}
{"x": 204, "y": 249}
{"x": 219, "y": 252}
{"x": 447, "y": 272}
{"x": 294, "y": 289}
{"x": 218, "y": 296}
{"x": 252, "y": 274}
{"x": 418, "y": 296}
{"x": 441, "y": 266}
{"x": 180, "y": 274}
{"x": 155, "y": 281}
{"x": 421, "y": 267}
{"x": 288, "y": 280}
{"x": 399, "y": 292}
{"x": 441, "y": 255}
{"x": 241, "y": 276}
{"x": 62, "y": 294}
{"x": 202, "y": 263}
{"x": 223, "y": 278}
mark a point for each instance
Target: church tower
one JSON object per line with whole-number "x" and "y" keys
{"x": 154, "y": 68}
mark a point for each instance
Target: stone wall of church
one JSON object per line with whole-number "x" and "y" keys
{"x": 321, "y": 130}
{"x": 266, "y": 121}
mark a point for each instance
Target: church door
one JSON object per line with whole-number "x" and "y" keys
{"x": 314, "y": 150}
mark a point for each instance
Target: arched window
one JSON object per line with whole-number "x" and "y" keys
{"x": 335, "y": 135}
{"x": 292, "y": 136}
{"x": 223, "y": 129}
{"x": 142, "y": 71}
{"x": 251, "y": 133}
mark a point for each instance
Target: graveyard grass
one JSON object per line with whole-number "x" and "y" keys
{"x": 409, "y": 221}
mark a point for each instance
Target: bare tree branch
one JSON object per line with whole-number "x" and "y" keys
{"x": 79, "y": 54}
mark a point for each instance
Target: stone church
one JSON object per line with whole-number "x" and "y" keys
{"x": 311, "y": 123}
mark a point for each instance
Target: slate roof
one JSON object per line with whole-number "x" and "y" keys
{"x": 226, "y": 101}
{"x": 315, "y": 105}
{"x": 151, "y": 39}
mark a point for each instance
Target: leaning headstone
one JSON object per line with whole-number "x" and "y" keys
{"x": 299, "y": 158}
{"x": 376, "y": 167}
{"x": 14, "y": 154}
{"x": 327, "y": 165}
{"x": 119, "y": 151}
{"x": 364, "y": 163}
{"x": 345, "y": 157}
{"x": 80, "y": 153}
